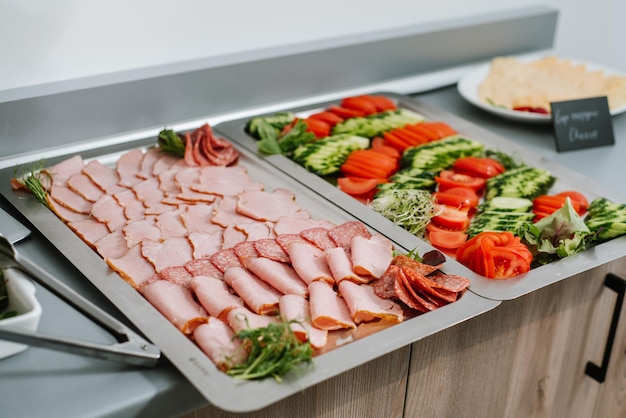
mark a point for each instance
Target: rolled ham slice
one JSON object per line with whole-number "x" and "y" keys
{"x": 243, "y": 318}
{"x": 371, "y": 256}
{"x": 258, "y": 295}
{"x": 309, "y": 262}
{"x": 218, "y": 341}
{"x": 176, "y": 303}
{"x": 328, "y": 310}
{"x": 366, "y": 306}
{"x": 295, "y": 309}
{"x": 280, "y": 276}
{"x": 341, "y": 266}
{"x": 214, "y": 296}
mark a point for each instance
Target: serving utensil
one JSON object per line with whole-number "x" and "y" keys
{"x": 130, "y": 348}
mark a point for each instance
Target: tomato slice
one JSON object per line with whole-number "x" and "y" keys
{"x": 577, "y": 197}
{"x": 360, "y": 103}
{"x": 451, "y": 218}
{"x": 458, "y": 197}
{"x": 357, "y": 185}
{"x": 380, "y": 145}
{"x": 478, "y": 167}
{"x": 329, "y": 117}
{"x": 382, "y": 103}
{"x": 447, "y": 240}
{"x": 319, "y": 127}
{"x": 448, "y": 179}
{"x": 508, "y": 263}
{"x": 345, "y": 112}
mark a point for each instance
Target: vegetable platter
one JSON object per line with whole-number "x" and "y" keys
{"x": 444, "y": 160}
{"x": 126, "y": 288}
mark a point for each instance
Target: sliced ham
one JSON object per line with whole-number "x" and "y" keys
{"x": 269, "y": 206}
{"x": 225, "y": 213}
{"x": 224, "y": 181}
{"x": 128, "y": 166}
{"x": 328, "y": 310}
{"x": 164, "y": 163}
{"x": 112, "y": 245}
{"x": 371, "y": 256}
{"x": 291, "y": 225}
{"x": 107, "y": 210}
{"x": 190, "y": 196}
{"x": 148, "y": 192}
{"x": 243, "y": 318}
{"x": 167, "y": 182}
{"x": 134, "y": 209}
{"x": 197, "y": 218}
{"x": 171, "y": 224}
{"x": 280, "y": 276}
{"x": 65, "y": 214}
{"x": 173, "y": 251}
{"x": 214, "y": 296}
{"x": 133, "y": 267}
{"x": 82, "y": 184}
{"x": 295, "y": 309}
{"x": 106, "y": 178}
{"x": 309, "y": 262}
{"x": 342, "y": 234}
{"x": 139, "y": 231}
{"x": 65, "y": 169}
{"x": 232, "y": 236}
{"x": 89, "y": 230}
{"x": 147, "y": 163}
{"x": 285, "y": 239}
{"x": 203, "y": 267}
{"x": 366, "y": 306}
{"x": 69, "y": 199}
{"x": 176, "y": 303}
{"x": 218, "y": 342}
{"x": 205, "y": 244}
{"x": 341, "y": 267}
{"x": 260, "y": 297}
{"x": 256, "y": 230}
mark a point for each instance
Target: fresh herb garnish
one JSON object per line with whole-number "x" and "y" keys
{"x": 269, "y": 138}
{"x": 411, "y": 209}
{"x": 33, "y": 179}
{"x": 273, "y": 351}
{"x": 170, "y": 141}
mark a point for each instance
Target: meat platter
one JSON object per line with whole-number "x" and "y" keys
{"x": 220, "y": 389}
{"x": 565, "y": 179}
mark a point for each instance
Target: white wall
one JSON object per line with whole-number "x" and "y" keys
{"x": 43, "y": 41}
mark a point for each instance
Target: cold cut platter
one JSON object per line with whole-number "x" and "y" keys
{"x": 516, "y": 200}
{"x": 182, "y": 246}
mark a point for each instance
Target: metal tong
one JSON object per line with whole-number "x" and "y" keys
{"x": 130, "y": 347}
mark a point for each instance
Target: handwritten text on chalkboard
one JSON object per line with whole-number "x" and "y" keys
{"x": 582, "y": 123}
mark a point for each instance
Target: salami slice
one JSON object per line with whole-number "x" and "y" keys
{"x": 224, "y": 259}
{"x": 270, "y": 248}
{"x": 285, "y": 239}
{"x": 385, "y": 286}
{"x": 342, "y": 234}
{"x": 244, "y": 250}
{"x": 450, "y": 282}
{"x": 405, "y": 261}
{"x": 318, "y": 237}
{"x": 404, "y": 295}
{"x": 203, "y": 267}
{"x": 429, "y": 288}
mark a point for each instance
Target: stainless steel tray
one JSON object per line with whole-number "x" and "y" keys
{"x": 218, "y": 388}
{"x": 492, "y": 289}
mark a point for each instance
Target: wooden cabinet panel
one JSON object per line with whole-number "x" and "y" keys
{"x": 375, "y": 389}
{"x": 525, "y": 358}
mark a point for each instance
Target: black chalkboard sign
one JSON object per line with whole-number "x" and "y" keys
{"x": 582, "y": 123}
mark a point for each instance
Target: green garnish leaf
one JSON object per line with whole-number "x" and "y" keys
{"x": 273, "y": 351}
{"x": 170, "y": 141}
{"x": 268, "y": 144}
{"x": 295, "y": 137}
{"x": 34, "y": 178}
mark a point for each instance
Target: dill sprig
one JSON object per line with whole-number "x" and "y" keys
{"x": 33, "y": 178}
{"x": 273, "y": 351}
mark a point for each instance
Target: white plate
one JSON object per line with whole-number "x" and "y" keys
{"x": 468, "y": 88}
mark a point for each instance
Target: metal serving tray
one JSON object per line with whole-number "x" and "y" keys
{"x": 218, "y": 388}
{"x": 489, "y": 288}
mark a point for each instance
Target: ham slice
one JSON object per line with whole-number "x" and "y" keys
{"x": 112, "y": 245}
{"x": 133, "y": 267}
{"x": 205, "y": 244}
{"x": 171, "y": 224}
{"x": 309, "y": 262}
{"x": 269, "y": 206}
{"x": 173, "y": 251}
{"x": 65, "y": 214}
{"x": 319, "y": 237}
{"x": 225, "y": 213}
{"x": 106, "y": 178}
{"x": 71, "y": 200}
{"x": 243, "y": 318}
{"x": 164, "y": 162}
{"x": 147, "y": 163}
{"x": 245, "y": 250}
{"x": 203, "y": 267}
{"x": 214, "y": 296}
{"x": 224, "y": 259}
{"x": 280, "y": 276}
{"x": 291, "y": 225}
{"x": 260, "y": 297}
{"x": 177, "y": 274}
{"x": 134, "y": 210}
{"x": 328, "y": 310}
{"x": 83, "y": 185}
{"x": 65, "y": 169}
{"x": 139, "y": 231}
{"x": 232, "y": 236}
{"x": 295, "y": 309}
{"x": 341, "y": 267}
{"x": 224, "y": 181}
{"x": 256, "y": 230}
{"x": 89, "y": 230}
{"x": 176, "y": 303}
{"x": 107, "y": 210}
{"x": 371, "y": 256}
{"x": 128, "y": 166}
{"x": 197, "y": 218}
{"x": 366, "y": 306}
{"x": 218, "y": 342}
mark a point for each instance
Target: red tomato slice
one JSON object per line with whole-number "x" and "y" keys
{"x": 478, "y": 167}
{"x": 447, "y": 240}
{"x": 508, "y": 263}
{"x": 357, "y": 186}
{"x": 360, "y": 103}
{"x": 448, "y": 179}
{"x": 319, "y": 128}
{"x": 329, "y": 117}
{"x": 576, "y": 197}
{"x": 344, "y": 112}
{"x": 382, "y": 103}
{"x": 451, "y": 218}
{"x": 458, "y": 197}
